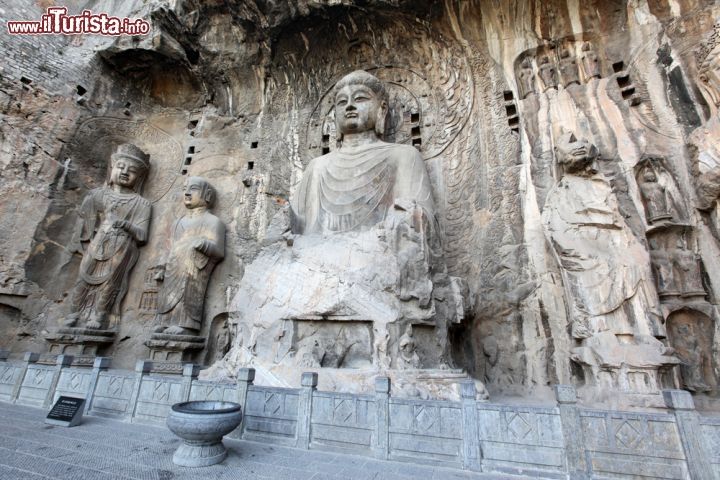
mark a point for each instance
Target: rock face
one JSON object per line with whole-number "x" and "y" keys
{"x": 243, "y": 94}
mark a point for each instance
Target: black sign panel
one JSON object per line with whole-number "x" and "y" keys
{"x": 67, "y": 411}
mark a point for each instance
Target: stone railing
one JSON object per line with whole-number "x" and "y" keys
{"x": 564, "y": 441}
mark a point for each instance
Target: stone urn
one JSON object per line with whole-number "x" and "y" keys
{"x": 202, "y": 425}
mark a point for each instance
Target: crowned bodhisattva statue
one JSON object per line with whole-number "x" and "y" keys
{"x": 114, "y": 221}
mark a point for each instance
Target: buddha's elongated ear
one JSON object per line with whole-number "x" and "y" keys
{"x": 381, "y": 118}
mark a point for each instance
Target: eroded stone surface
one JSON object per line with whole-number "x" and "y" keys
{"x": 240, "y": 93}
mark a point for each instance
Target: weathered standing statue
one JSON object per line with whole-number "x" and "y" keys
{"x": 197, "y": 245}
{"x": 606, "y": 271}
{"x": 655, "y": 197}
{"x": 114, "y": 222}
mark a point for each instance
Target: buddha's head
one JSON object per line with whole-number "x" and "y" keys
{"x": 361, "y": 104}
{"x": 649, "y": 176}
{"x": 130, "y": 166}
{"x": 198, "y": 193}
{"x": 576, "y": 156}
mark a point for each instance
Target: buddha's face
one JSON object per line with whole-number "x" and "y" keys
{"x": 577, "y": 155}
{"x": 193, "y": 197}
{"x": 357, "y": 109}
{"x": 126, "y": 172}
{"x": 649, "y": 176}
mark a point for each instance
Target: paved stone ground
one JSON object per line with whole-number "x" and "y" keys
{"x": 104, "y": 449}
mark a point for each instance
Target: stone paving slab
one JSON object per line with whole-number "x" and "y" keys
{"x": 106, "y": 449}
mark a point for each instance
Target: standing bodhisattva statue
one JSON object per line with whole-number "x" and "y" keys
{"x": 354, "y": 187}
{"x": 198, "y": 244}
{"x": 114, "y": 221}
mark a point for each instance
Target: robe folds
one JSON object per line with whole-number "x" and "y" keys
{"x": 112, "y": 252}
{"x": 187, "y": 270}
{"x": 353, "y": 189}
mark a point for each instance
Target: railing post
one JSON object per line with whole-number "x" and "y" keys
{"x": 472, "y": 455}
{"x": 245, "y": 378}
{"x": 566, "y": 397}
{"x": 61, "y": 362}
{"x": 99, "y": 364}
{"x": 190, "y": 373}
{"x": 29, "y": 358}
{"x": 688, "y": 422}
{"x": 308, "y": 382}
{"x": 382, "y": 417}
{"x": 142, "y": 368}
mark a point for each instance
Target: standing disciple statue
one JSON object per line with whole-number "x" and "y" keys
{"x": 197, "y": 245}
{"x": 114, "y": 221}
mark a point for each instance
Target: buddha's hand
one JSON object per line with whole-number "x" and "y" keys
{"x": 122, "y": 224}
{"x": 201, "y": 246}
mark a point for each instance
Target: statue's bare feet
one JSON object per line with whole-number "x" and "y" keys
{"x": 95, "y": 321}
{"x": 177, "y": 330}
{"x": 93, "y": 325}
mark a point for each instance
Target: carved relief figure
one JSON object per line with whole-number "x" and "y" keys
{"x": 691, "y": 334}
{"x": 591, "y": 63}
{"x": 114, "y": 222}
{"x": 663, "y": 266}
{"x": 605, "y": 267}
{"x": 355, "y": 187}
{"x": 197, "y": 245}
{"x": 408, "y": 357}
{"x": 548, "y": 73}
{"x": 655, "y": 197}
{"x": 568, "y": 68}
{"x": 687, "y": 266}
{"x": 526, "y": 78}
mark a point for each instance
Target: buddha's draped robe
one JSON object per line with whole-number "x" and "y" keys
{"x": 353, "y": 189}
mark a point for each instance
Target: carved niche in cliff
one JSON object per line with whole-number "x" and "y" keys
{"x": 356, "y": 315}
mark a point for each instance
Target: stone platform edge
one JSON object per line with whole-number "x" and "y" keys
{"x": 564, "y": 441}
